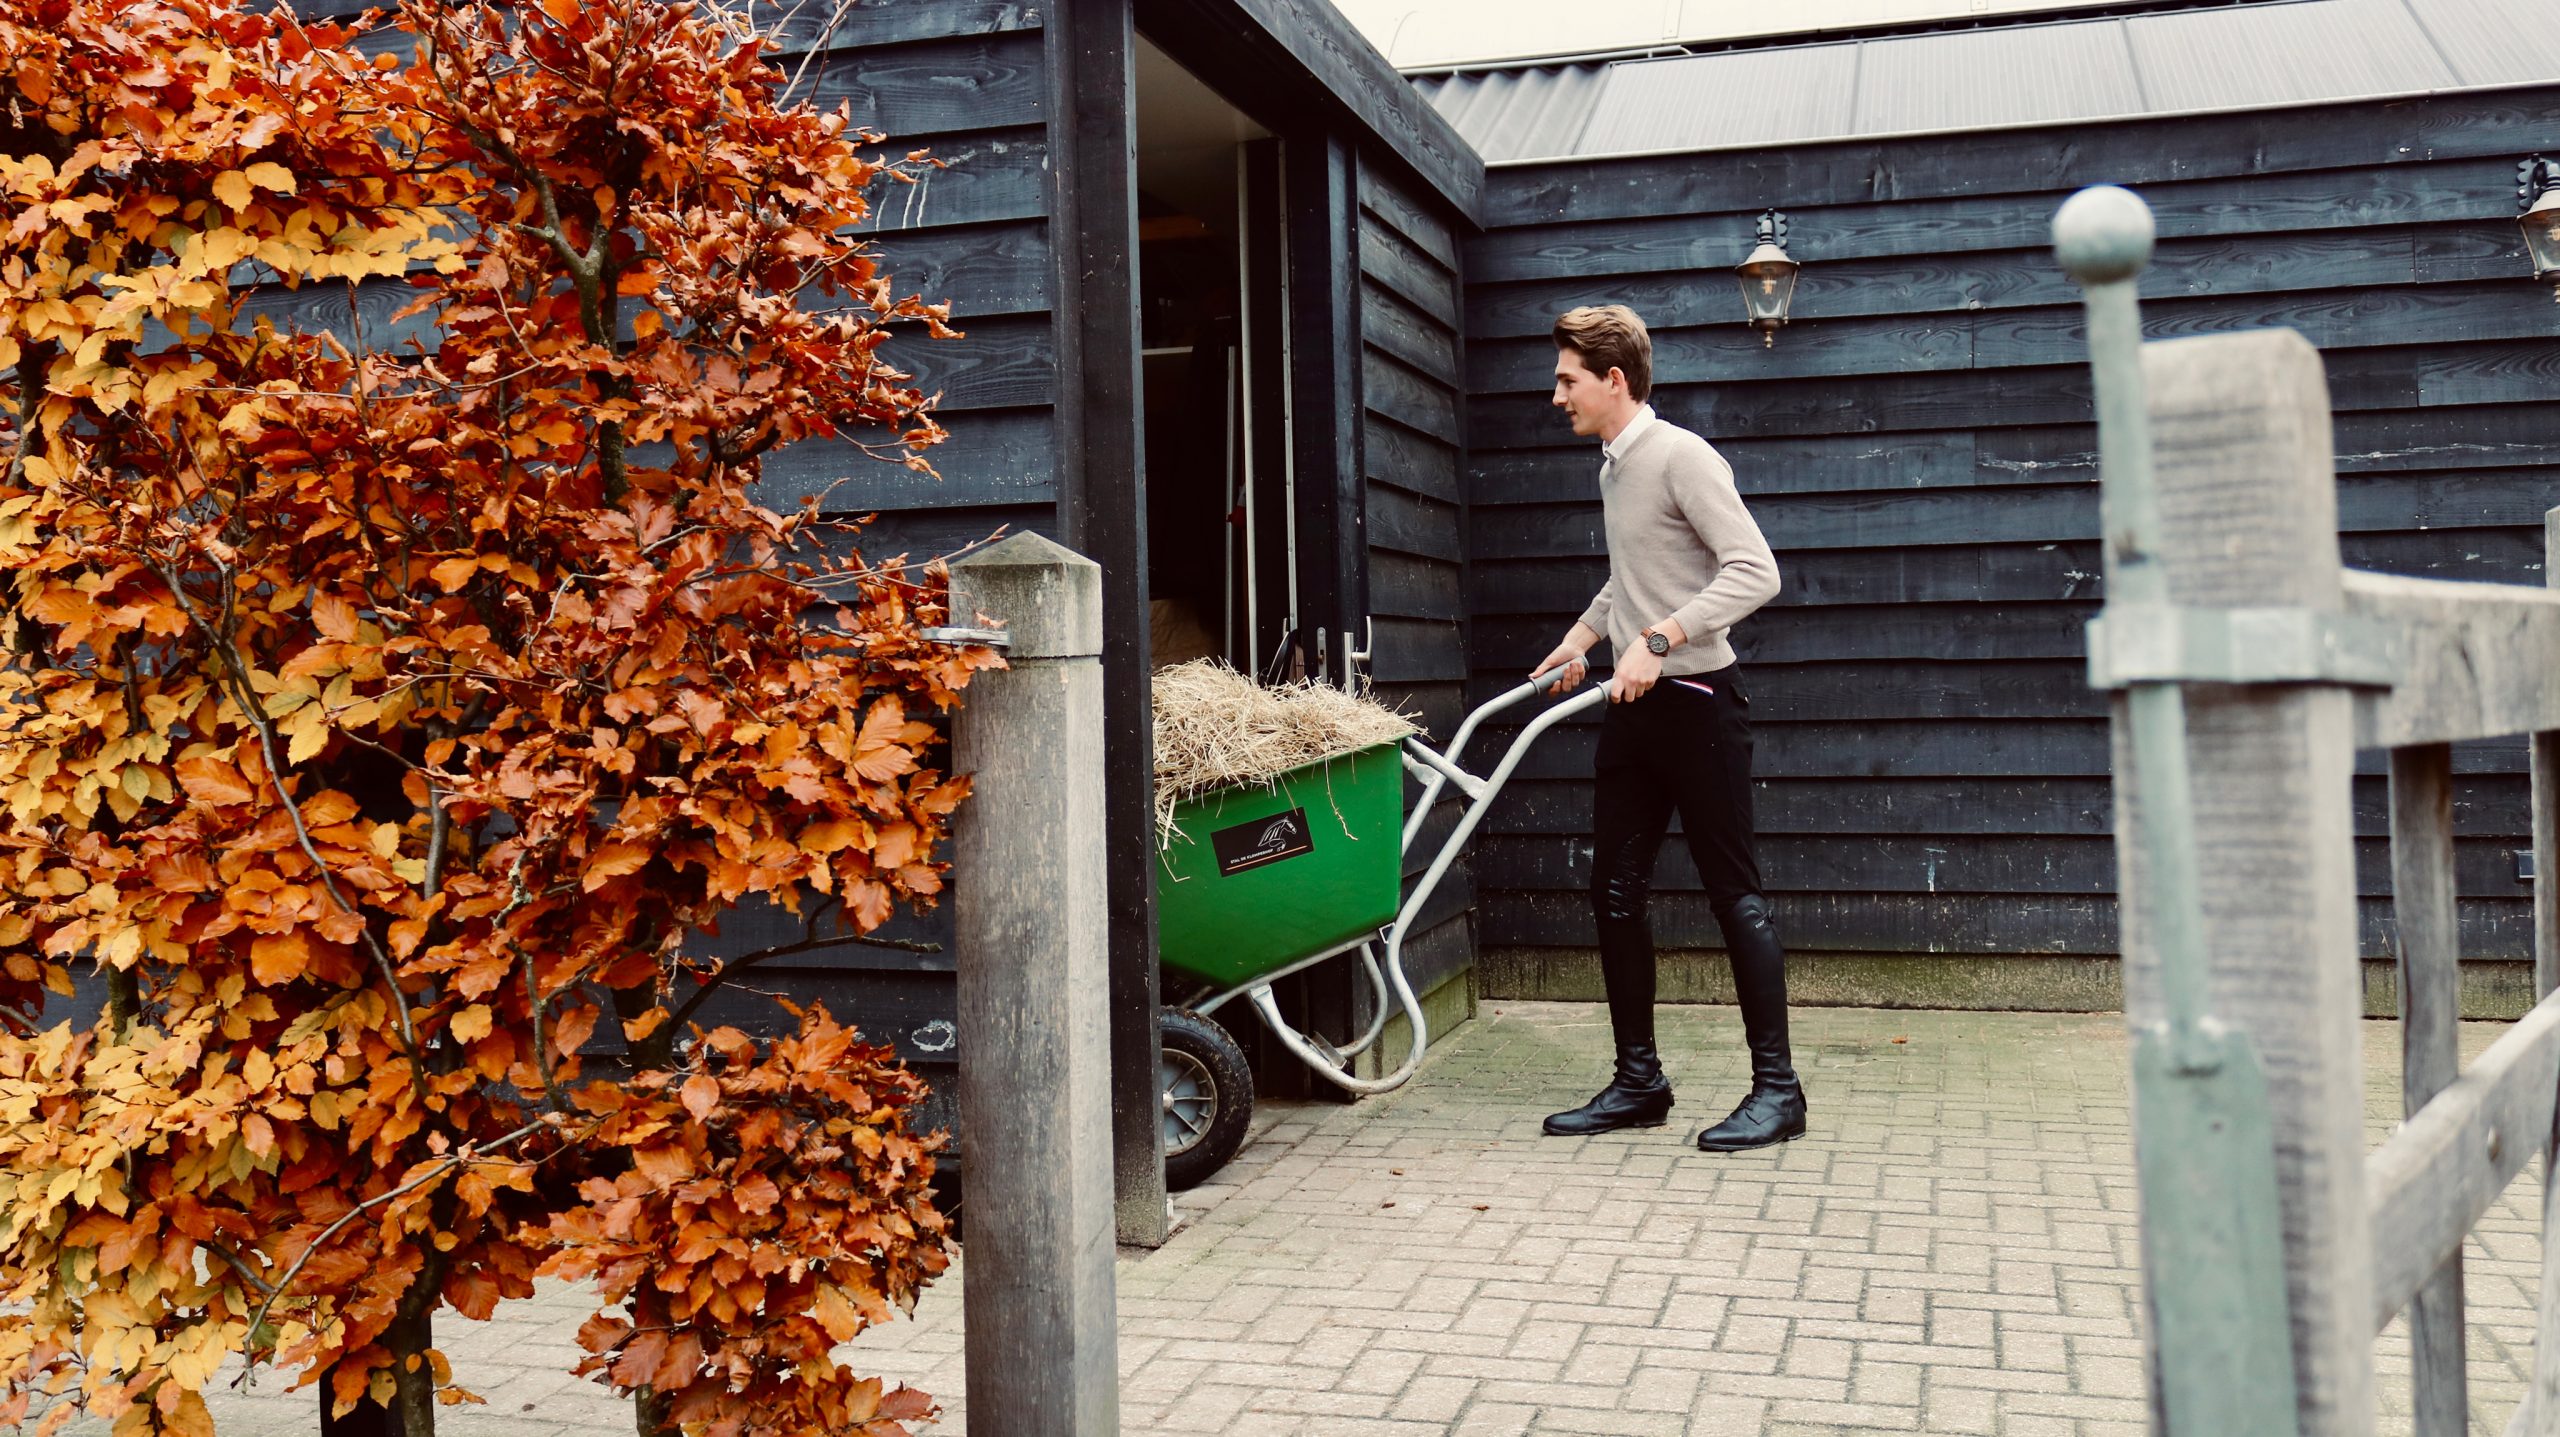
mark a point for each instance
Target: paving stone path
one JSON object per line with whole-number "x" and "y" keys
{"x": 1951, "y": 1250}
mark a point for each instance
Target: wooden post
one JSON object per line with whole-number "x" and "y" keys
{"x": 1324, "y": 355}
{"x": 1033, "y": 934}
{"x": 2423, "y": 918}
{"x": 2248, "y": 518}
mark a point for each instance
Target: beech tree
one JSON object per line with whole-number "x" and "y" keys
{"x": 383, "y": 720}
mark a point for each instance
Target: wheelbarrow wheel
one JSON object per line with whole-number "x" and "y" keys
{"x": 1208, "y": 1096}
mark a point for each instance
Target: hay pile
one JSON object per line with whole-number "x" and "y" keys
{"x": 1216, "y": 729}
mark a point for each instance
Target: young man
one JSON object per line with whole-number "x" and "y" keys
{"x": 1686, "y": 563}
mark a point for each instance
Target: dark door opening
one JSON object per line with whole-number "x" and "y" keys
{"x": 1223, "y": 521}
{"x": 1219, "y": 582}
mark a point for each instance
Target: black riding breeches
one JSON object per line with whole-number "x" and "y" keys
{"x": 1684, "y": 748}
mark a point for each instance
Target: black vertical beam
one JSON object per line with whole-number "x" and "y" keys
{"x": 1102, "y": 508}
{"x": 1324, "y": 363}
{"x": 1325, "y": 452}
{"x": 1267, "y": 389}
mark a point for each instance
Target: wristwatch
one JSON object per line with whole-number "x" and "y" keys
{"x": 1657, "y": 644}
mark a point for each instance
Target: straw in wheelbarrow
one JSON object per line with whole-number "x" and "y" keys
{"x": 1216, "y": 728}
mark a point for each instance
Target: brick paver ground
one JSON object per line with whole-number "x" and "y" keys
{"x": 1951, "y": 1251}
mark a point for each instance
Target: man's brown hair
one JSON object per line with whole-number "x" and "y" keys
{"x": 1610, "y": 336}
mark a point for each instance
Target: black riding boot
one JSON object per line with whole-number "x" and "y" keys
{"x": 1774, "y": 1112}
{"x": 1638, "y": 1096}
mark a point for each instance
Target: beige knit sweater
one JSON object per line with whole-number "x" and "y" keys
{"x": 1681, "y": 547}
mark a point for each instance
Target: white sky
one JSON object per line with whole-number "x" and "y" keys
{"x": 1445, "y": 32}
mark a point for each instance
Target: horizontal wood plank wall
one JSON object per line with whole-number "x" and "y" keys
{"x": 1917, "y": 447}
{"x": 963, "y": 81}
{"x": 1413, "y": 396}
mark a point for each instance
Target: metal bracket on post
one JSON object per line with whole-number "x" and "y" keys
{"x": 2169, "y": 643}
{"x": 967, "y": 638}
{"x": 1353, "y": 660}
{"x": 2204, "y": 1138}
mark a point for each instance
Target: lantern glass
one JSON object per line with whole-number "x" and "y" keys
{"x": 1768, "y": 282}
{"x": 2541, "y": 226}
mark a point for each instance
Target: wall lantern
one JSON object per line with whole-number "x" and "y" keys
{"x": 1768, "y": 278}
{"x": 2539, "y": 188}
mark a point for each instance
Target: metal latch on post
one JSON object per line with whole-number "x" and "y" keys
{"x": 966, "y": 638}
{"x": 2168, "y": 643}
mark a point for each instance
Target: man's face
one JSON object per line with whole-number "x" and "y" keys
{"x": 1587, "y": 399}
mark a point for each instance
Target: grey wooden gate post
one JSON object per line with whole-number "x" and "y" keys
{"x": 2229, "y": 616}
{"x": 1035, "y": 1038}
{"x": 2273, "y": 773}
{"x": 2241, "y": 855}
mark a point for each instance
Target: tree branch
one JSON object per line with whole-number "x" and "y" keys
{"x": 439, "y": 829}
{"x": 468, "y": 1154}
{"x": 733, "y": 967}
{"x": 237, "y": 1265}
{"x": 536, "y": 1005}
{"x": 33, "y": 360}
{"x": 244, "y": 693}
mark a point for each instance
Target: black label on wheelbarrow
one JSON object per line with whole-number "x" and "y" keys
{"x": 1265, "y": 840}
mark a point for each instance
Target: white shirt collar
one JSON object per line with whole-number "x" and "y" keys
{"x": 1616, "y": 448}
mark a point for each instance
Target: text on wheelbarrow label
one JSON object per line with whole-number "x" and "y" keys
{"x": 1264, "y": 840}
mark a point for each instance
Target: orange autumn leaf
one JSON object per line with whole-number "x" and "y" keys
{"x": 211, "y": 780}
{"x": 701, "y": 1094}
{"x": 833, "y": 836}
{"x": 334, "y": 617}
{"x": 882, "y": 751}
{"x": 280, "y": 957}
{"x": 452, "y": 574}
{"x": 613, "y": 861}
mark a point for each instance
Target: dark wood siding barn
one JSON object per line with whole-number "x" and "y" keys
{"x": 1414, "y": 506}
{"x": 1917, "y": 446}
{"x": 963, "y": 80}
{"x": 1024, "y": 228}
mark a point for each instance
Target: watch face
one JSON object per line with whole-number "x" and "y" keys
{"x": 1658, "y": 643}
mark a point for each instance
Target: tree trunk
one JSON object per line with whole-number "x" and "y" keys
{"x": 367, "y": 1418}
{"x": 124, "y": 1000}
{"x": 411, "y": 1333}
{"x": 649, "y": 1414}
{"x": 413, "y": 1391}
{"x": 658, "y": 1050}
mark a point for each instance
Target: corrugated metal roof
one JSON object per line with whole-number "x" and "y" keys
{"x": 1507, "y": 114}
{"x": 2283, "y": 52}
{"x": 2488, "y": 43}
{"x": 1758, "y": 96}
{"x": 1967, "y": 79}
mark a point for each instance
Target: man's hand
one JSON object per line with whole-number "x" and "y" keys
{"x": 1569, "y": 669}
{"x": 1637, "y": 672}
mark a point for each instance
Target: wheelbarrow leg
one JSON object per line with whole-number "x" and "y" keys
{"x": 1333, "y": 1067}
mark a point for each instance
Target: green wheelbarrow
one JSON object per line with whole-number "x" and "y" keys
{"x": 1260, "y": 883}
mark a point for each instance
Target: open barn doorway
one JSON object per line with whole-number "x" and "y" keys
{"x": 1222, "y": 521}
{"x": 1220, "y": 581}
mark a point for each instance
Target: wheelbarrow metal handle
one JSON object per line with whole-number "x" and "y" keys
{"x": 1537, "y": 684}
